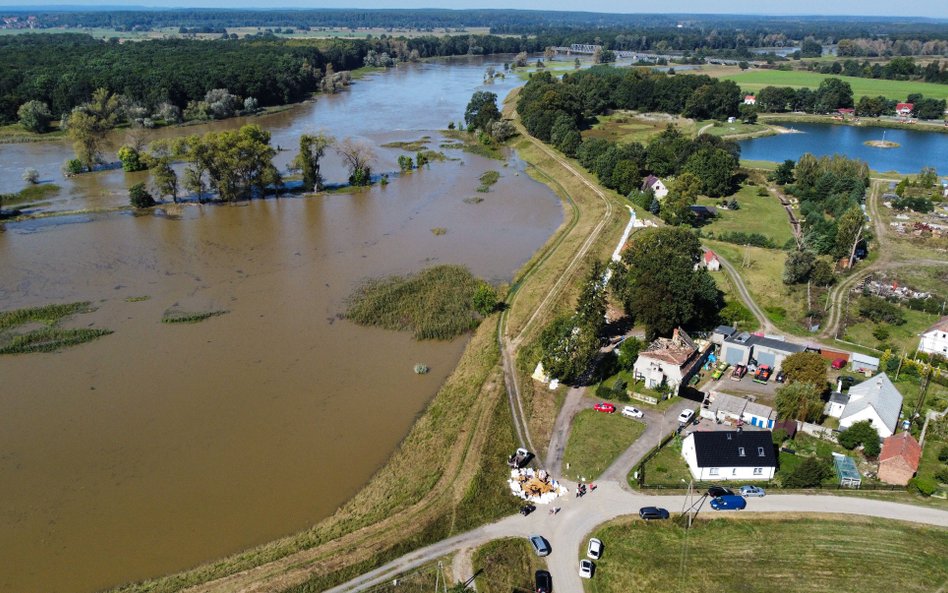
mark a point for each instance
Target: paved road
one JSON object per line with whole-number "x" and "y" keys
{"x": 567, "y": 531}
{"x": 657, "y": 426}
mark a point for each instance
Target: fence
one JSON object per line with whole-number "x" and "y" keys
{"x": 820, "y": 432}
{"x": 775, "y": 486}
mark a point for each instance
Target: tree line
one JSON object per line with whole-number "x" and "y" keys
{"x": 834, "y": 93}
{"x": 900, "y": 68}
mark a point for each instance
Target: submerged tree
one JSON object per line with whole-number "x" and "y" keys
{"x": 89, "y": 123}
{"x": 357, "y": 157}
{"x": 312, "y": 149}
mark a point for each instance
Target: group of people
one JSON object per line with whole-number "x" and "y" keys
{"x": 582, "y": 489}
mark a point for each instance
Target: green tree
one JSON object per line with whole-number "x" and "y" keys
{"x": 805, "y": 367}
{"x": 357, "y": 156}
{"x": 237, "y": 163}
{"x": 568, "y": 349}
{"x": 89, "y": 123}
{"x": 481, "y": 111}
{"x": 861, "y": 433}
{"x": 822, "y": 273}
{"x": 35, "y": 116}
{"x": 748, "y": 114}
{"x": 591, "y": 304}
{"x": 809, "y": 474}
{"x": 715, "y": 167}
{"x": 629, "y": 352}
{"x": 849, "y": 229}
{"x": 799, "y": 401}
{"x": 659, "y": 285}
{"x": 166, "y": 179}
{"x": 833, "y": 94}
{"x": 139, "y": 197}
{"x": 798, "y": 266}
{"x": 676, "y": 208}
{"x": 312, "y": 149}
{"x": 485, "y": 299}
{"x": 131, "y": 159}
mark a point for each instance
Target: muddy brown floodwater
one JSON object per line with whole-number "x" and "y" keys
{"x": 161, "y": 446}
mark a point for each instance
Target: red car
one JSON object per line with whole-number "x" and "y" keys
{"x": 839, "y": 363}
{"x": 605, "y": 407}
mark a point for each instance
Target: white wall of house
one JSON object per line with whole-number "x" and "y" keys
{"x": 706, "y": 474}
{"x": 934, "y": 342}
{"x": 834, "y": 409}
{"x": 868, "y": 413}
{"x": 654, "y": 372}
{"x": 660, "y": 190}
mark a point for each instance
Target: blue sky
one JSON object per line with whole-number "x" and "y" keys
{"x": 929, "y": 8}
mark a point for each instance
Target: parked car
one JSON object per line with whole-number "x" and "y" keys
{"x": 738, "y": 373}
{"x": 728, "y": 503}
{"x": 540, "y": 545}
{"x": 594, "y": 548}
{"x": 586, "y": 568}
{"x": 781, "y": 377}
{"x": 748, "y": 491}
{"x": 717, "y": 491}
{"x": 631, "y": 412}
{"x": 839, "y": 363}
{"x": 527, "y": 509}
{"x": 605, "y": 407}
{"x": 719, "y": 370}
{"x": 544, "y": 581}
{"x": 763, "y": 374}
{"x": 650, "y": 513}
{"x": 685, "y": 416}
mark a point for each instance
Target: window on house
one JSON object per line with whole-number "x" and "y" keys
{"x": 760, "y": 451}
{"x": 713, "y": 471}
{"x": 758, "y": 471}
{"x": 740, "y": 452}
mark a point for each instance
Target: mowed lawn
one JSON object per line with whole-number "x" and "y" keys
{"x": 904, "y": 336}
{"x": 754, "y": 80}
{"x": 763, "y": 555}
{"x": 757, "y": 214}
{"x": 595, "y": 440}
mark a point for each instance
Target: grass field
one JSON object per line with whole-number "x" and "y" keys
{"x": 623, "y": 126}
{"x": 904, "y": 337}
{"x": 507, "y": 565}
{"x": 757, "y": 214}
{"x": 668, "y": 466}
{"x": 754, "y": 80}
{"x": 595, "y": 440}
{"x": 763, "y": 273}
{"x": 761, "y": 555}
{"x": 736, "y": 129}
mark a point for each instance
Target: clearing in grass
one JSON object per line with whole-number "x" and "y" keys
{"x": 755, "y": 214}
{"x": 595, "y": 440}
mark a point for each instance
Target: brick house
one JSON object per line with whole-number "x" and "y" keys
{"x": 899, "y": 459}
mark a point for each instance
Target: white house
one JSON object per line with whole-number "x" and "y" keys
{"x": 750, "y": 100}
{"x": 710, "y": 261}
{"x": 935, "y": 338}
{"x": 655, "y": 184}
{"x": 730, "y": 455}
{"x": 670, "y": 361}
{"x": 876, "y": 400}
{"x": 731, "y": 408}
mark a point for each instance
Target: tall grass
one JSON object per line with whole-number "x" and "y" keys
{"x": 488, "y": 179}
{"x": 185, "y": 317}
{"x": 48, "y": 314}
{"x": 50, "y": 339}
{"x": 436, "y": 303}
{"x": 30, "y": 193}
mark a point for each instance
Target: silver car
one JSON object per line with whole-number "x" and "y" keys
{"x": 540, "y": 545}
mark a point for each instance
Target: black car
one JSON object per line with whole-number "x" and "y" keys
{"x": 544, "y": 582}
{"x": 718, "y": 491}
{"x": 649, "y": 513}
{"x": 527, "y": 509}
{"x": 781, "y": 377}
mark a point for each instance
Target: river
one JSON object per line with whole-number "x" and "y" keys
{"x": 916, "y": 149}
{"x": 160, "y": 447}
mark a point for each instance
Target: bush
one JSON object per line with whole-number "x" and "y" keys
{"x": 139, "y": 197}
{"x": 880, "y": 310}
{"x": 861, "y": 433}
{"x": 924, "y": 486}
{"x": 779, "y": 436}
{"x": 31, "y": 175}
{"x": 880, "y": 332}
{"x": 942, "y": 475}
{"x": 943, "y": 453}
{"x": 131, "y": 159}
{"x": 74, "y": 167}
{"x": 808, "y": 474}
{"x": 754, "y": 239}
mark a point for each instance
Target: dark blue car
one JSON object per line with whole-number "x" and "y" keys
{"x": 730, "y": 502}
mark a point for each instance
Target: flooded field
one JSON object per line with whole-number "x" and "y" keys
{"x": 163, "y": 446}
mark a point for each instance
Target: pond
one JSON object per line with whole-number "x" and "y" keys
{"x": 160, "y": 447}
{"x": 916, "y": 149}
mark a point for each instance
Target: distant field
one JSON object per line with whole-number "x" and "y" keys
{"x": 761, "y": 555}
{"x": 172, "y": 32}
{"x": 754, "y": 80}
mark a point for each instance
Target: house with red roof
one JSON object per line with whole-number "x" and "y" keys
{"x": 904, "y": 109}
{"x": 709, "y": 261}
{"x": 899, "y": 459}
{"x": 750, "y": 100}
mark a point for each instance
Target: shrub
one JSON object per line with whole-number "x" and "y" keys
{"x": 485, "y": 299}
{"x": 880, "y": 310}
{"x": 880, "y": 332}
{"x": 73, "y": 167}
{"x": 808, "y": 474}
{"x": 131, "y": 159}
{"x": 943, "y": 453}
{"x": 139, "y": 197}
{"x": 861, "y": 433}
{"x": 31, "y": 175}
{"x": 942, "y": 475}
{"x": 779, "y": 436}
{"x": 924, "y": 486}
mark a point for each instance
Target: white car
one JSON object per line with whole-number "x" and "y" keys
{"x": 594, "y": 549}
{"x": 586, "y": 568}
{"x": 748, "y": 491}
{"x": 630, "y": 412}
{"x": 685, "y": 417}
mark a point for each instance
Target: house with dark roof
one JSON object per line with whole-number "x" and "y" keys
{"x": 730, "y": 455}
{"x": 670, "y": 361}
{"x": 876, "y": 400}
{"x": 655, "y": 184}
{"x": 899, "y": 459}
